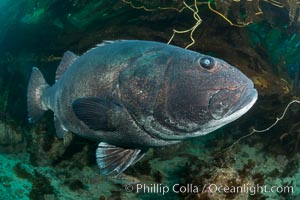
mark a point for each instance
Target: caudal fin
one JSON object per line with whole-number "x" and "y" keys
{"x": 36, "y": 87}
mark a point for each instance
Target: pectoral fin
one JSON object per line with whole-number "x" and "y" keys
{"x": 94, "y": 112}
{"x": 112, "y": 159}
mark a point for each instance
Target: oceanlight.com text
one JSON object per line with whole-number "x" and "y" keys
{"x": 208, "y": 188}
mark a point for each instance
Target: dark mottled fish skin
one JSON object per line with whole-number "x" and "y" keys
{"x": 98, "y": 73}
{"x": 132, "y": 95}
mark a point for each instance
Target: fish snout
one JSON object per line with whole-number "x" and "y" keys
{"x": 248, "y": 96}
{"x": 228, "y": 101}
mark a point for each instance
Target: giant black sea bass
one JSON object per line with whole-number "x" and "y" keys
{"x": 131, "y": 95}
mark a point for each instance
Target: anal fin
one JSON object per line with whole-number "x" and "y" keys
{"x": 112, "y": 159}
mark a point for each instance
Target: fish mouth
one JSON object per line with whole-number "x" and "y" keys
{"x": 247, "y": 98}
{"x": 227, "y": 101}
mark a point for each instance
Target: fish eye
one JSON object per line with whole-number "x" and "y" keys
{"x": 207, "y": 62}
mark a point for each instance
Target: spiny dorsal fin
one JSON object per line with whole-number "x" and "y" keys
{"x": 113, "y": 159}
{"x": 106, "y": 42}
{"x": 67, "y": 60}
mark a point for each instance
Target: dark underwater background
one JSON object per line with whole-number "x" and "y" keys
{"x": 260, "y": 37}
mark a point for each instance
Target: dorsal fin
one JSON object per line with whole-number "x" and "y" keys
{"x": 106, "y": 42}
{"x": 67, "y": 60}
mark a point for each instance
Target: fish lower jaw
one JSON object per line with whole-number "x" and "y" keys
{"x": 216, "y": 124}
